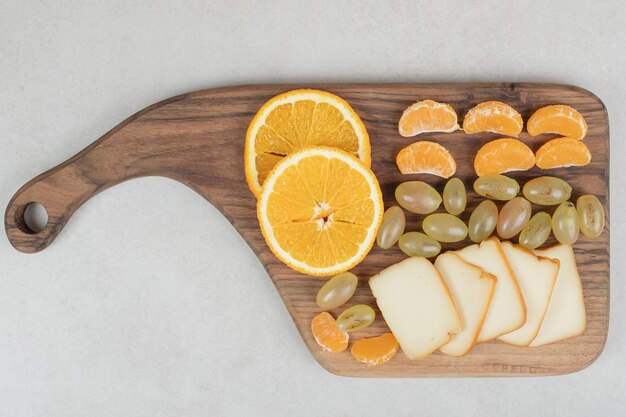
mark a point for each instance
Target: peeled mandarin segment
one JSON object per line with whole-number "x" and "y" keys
{"x": 298, "y": 119}
{"x": 327, "y": 334}
{"x": 563, "y": 152}
{"x": 493, "y": 116}
{"x": 375, "y": 350}
{"x": 320, "y": 210}
{"x": 426, "y": 157}
{"x": 427, "y": 116}
{"x": 503, "y": 155}
{"x": 560, "y": 119}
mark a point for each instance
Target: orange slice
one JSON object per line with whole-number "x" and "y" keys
{"x": 298, "y": 119}
{"x": 563, "y": 152}
{"x": 319, "y": 210}
{"x": 375, "y": 350}
{"x": 503, "y": 155}
{"x": 327, "y": 334}
{"x": 426, "y": 157}
{"x": 427, "y": 116}
{"x": 560, "y": 119}
{"x": 493, "y": 116}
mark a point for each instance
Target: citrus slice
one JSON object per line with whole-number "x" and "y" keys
{"x": 560, "y": 119}
{"x": 319, "y": 210}
{"x": 563, "y": 152}
{"x": 427, "y": 116}
{"x": 297, "y": 119}
{"x": 375, "y": 350}
{"x": 493, "y": 116}
{"x": 503, "y": 155}
{"x": 327, "y": 334}
{"x": 426, "y": 157}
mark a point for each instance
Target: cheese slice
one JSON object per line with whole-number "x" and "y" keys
{"x": 565, "y": 317}
{"x": 507, "y": 311}
{"x": 471, "y": 289}
{"x": 416, "y": 305}
{"x": 536, "y": 277}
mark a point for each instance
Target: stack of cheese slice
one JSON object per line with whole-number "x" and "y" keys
{"x": 482, "y": 292}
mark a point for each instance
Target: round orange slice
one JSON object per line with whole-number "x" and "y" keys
{"x": 560, "y": 119}
{"x": 493, "y": 116}
{"x": 298, "y": 119}
{"x": 426, "y": 157}
{"x": 563, "y": 152}
{"x": 427, "y": 116}
{"x": 327, "y": 334}
{"x": 319, "y": 210}
{"x": 375, "y": 350}
{"x": 503, "y": 155}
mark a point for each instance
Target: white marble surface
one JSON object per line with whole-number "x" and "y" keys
{"x": 150, "y": 304}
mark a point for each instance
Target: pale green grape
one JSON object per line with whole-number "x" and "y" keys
{"x": 417, "y": 197}
{"x": 391, "y": 228}
{"x": 483, "y": 221}
{"x": 444, "y": 227}
{"x": 419, "y": 244}
{"x": 454, "y": 196}
{"x": 590, "y": 215}
{"x": 337, "y": 291}
{"x": 356, "y": 318}
{"x": 513, "y": 217}
{"x": 547, "y": 191}
{"x": 535, "y": 233}
{"x": 496, "y": 187}
{"x": 565, "y": 223}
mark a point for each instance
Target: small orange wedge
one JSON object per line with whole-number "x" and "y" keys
{"x": 375, "y": 350}
{"x": 427, "y": 116}
{"x": 426, "y": 157}
{"x": 560, "y": 119}
{"x": 493, "y": 116}
{"x": 563, "y": 152}
{"x": 503, "y": 155}
{"x": 327, "y": 334}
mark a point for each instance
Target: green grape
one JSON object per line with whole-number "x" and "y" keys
{"x": 391, "y": 228}
{"x": 417, "y": 197}
{"x": 356, "y": 318}
{"x": 513, "y": 216}
{"x": 337, "y": 291}
{"x": 444, "y": 227}
{"x": 565, "y": 223}
{"x": 454, "y": 196}
{"x": 483, "y": 221}
{"x": 547, "y": 191}
{"x": 496, "y": 187}
{"x": 419, "y": 244}
{"x": 535, "y": 233}
{"x": 590, "y": 215}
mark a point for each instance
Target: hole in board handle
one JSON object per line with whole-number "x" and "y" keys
{"x": 34, "y": 218}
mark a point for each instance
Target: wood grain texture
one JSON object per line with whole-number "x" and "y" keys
{"x": 198, "y": 138}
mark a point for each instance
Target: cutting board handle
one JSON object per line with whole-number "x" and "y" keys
{"x": 130, "y": 150}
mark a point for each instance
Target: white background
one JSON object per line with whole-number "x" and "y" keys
{"x": 149, "y": 303}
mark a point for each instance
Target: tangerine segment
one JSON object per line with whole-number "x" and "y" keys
{"x": 426, "y": 157}
{"x": 563, "y": 152}
{"x": 503, "y": 155}
{"x": 327, "y": 334}
{"x": 319, "y": 211}
{"x": 375, "y": 350}
{"x": 297, "y": 119}
{"x": 560, "y": 119}
{"x": 493, "y": 116}
{"x": 427, "y": 116}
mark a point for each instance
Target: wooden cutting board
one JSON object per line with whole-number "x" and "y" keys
{"x": 198, "y": 139}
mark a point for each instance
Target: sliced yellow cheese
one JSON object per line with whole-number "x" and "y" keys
{"x": 416, "y": 305}
{"x": 566, "y": 316}
{"x": 471, "y": 289}
{"x": 507, "y": 311}
{"x": 536, "y": 277}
